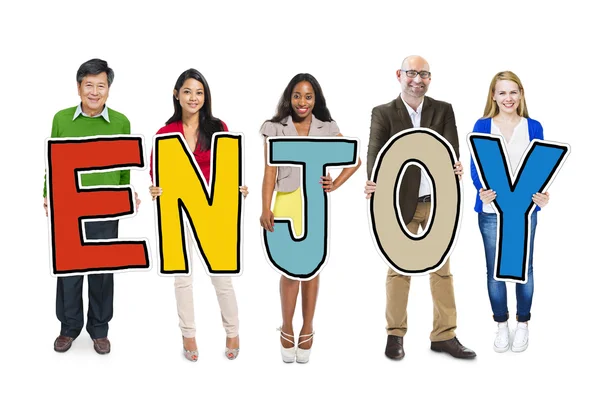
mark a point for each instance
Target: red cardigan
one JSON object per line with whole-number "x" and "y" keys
{"x": 202, "y": 157}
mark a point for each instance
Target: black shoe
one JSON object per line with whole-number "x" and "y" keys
{"x": 454, "y": 348}
{"x": 394, "y": 348}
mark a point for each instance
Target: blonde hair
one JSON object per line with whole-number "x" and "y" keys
{"x": 491, "y": 107}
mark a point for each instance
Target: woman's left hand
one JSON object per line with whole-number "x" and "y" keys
{"x": 244, "y": 191}
{"x": 458, "y": 170}
{"x": 541, "y": 199}
{"x": 137, "y": 202}
{"x": 327, "y": 183}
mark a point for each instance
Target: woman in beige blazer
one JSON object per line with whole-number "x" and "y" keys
{"x": 302, "y": 111}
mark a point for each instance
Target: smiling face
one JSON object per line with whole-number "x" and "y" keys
{"x": 414, "y": 87}
{"x": 93, "y": 91}
{"x": 190, "y": 96}
{"x": 303, "y": 99}
{"x": 507, "y": 96}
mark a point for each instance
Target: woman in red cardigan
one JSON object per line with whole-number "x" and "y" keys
{"x": 193, "y": 118}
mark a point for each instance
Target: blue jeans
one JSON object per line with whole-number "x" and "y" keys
{"x": 497, "y": 289}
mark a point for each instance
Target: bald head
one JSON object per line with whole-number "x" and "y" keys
{"x": 412, "y": 60}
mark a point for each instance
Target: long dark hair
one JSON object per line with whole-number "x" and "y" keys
{"x": 208, "y": 124}
{"x": 284, "y": 108}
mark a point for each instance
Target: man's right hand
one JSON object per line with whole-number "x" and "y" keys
{"x": 46, "y": 205}
{"x": 370, "y": 189}
{"x": 267, "y": 220}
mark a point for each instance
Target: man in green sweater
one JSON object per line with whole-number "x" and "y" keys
{"x": 90, "y": 118}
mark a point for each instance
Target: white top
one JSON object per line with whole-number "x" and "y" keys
{"x": 415, "y": 116}
{"x": 515, "y": 148}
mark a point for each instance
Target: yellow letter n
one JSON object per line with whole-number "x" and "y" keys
{"x": 214, "y": 218}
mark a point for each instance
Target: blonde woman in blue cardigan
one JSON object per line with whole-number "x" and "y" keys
{"x": 506, "y": 114}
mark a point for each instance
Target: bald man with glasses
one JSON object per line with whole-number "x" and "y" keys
{"x": 409, "y": 110}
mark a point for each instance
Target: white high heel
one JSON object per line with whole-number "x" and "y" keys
{"x": 287, "y": 354}
{"x": 303, "y": 355}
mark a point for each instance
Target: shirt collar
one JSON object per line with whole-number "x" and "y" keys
{"x": 103, "y": 114}
{"x": 410, "y": 109}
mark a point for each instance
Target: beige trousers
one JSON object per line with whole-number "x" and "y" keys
{"x": 185, "y": 299}
{"x": 442, "y": 292}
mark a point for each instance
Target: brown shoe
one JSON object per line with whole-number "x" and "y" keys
{"x": 102, "y": 346}
{"x": 454, "y": 348}
{"x": 394, "y": 348}
{"x": 63, "y": 343}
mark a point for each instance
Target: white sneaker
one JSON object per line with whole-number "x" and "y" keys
{"x": 501, "y": 343}
{"x": 521, "y": 340}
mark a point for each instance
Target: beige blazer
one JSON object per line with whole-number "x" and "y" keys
{"x": 288, "y": 177}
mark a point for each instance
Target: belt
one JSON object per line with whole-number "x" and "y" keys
{"x": 424, "y": 199}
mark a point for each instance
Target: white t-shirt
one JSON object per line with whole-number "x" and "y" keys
{"x": 515, "y": 147}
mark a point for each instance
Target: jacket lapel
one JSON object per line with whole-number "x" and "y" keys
{"x": 404, "y": 117}
{"x": 427, "y": 114}
{"x": 288, "y": 127}
{"x": 315, "y": 124}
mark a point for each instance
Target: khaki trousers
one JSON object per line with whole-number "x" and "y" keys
{"x": 185, "y": 299}
{"x": 442, "y": 292}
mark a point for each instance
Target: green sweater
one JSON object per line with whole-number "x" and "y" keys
{"x": 63, "y": 125}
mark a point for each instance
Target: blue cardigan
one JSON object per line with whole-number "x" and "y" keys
{"x": 484, "y": 125}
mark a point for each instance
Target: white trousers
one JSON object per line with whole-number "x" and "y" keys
{"x": 185, "y": 299}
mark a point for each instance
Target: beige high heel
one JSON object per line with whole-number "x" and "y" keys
{"x": 232, "y": 353}
{"x": 190, "y": 355}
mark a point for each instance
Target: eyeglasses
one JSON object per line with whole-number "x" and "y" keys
{"x": 413, "y": 73}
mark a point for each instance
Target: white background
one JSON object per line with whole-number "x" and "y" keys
{"x": 248, "y": 52}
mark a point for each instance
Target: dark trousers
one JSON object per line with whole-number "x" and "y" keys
{"x": 69, "y": 300}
